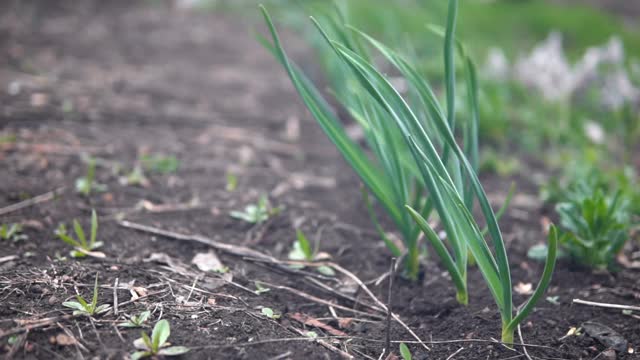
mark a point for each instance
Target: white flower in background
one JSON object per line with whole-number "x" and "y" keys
{"x": 611, "y": 53}
{"x": 497, "y": 66}
{"x": 617, "y": 90}
{"x": 594, "y": 132}
{"x": 547, "y": 69}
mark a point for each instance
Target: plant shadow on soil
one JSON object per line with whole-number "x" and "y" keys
{"x": 150, "y": 78}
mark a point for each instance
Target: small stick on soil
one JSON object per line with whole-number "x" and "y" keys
{"x": 330, "y": 347}
{"x": 8, "y": 258}
{"x": 115, "y": 327}
{"x": 524, "y": 348}
{"x": 311, "y": 321}
{"x": 115, "y": 297}
{"x": 34, "y": 325}
{"x": 319, "y": 300}
{"x": 606, "y": 305}
{"x": 281, "y": 356}
{"x": 387, "y": 342}
{"x": 33, "y": 201}
{"x": 364, "y": 287}
{"x": 454, "y": 354}
{"x": 193, "y": 286}
{"x": 331, "y": 290}
{"x": 241, "y": 251}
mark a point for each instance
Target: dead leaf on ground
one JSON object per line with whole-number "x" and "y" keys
{"x": 95, "y": 254}
{"x": 523, "y": 288}
{"x": 208, "y": 261}
{"x": 137, "y": 292}
{"x": 62, "y": 340}
{"x": 212, "y": 283}
{"x": 345, "y": 322}
{"x": 311, "y": 321}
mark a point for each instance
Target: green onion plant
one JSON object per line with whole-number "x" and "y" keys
{"x": 82, "y": 307}
{"x": 12, "y": 232}
{"x": 447, "y": 172}
{"x": 86, "y": 184}
{"x": 156, "y": 345}
{"x": 82, "y": 246}
{"x": 391, "y": 175}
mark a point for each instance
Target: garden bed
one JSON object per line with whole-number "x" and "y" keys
{"x": 116, "y": 81}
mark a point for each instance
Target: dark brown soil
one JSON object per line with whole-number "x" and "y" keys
{"x": 115, "y": 81}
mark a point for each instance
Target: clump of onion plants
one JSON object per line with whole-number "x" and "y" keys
{"x": 446, "y": 171}
{"x": 391, "y": 175}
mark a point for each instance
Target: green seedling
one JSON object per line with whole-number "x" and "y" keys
{"x": 135, "y": 177}
{"x": 256, "y": 213}
{"x": 596, "y": 214}
{"x": 268, "y": 312}
{"x": 302, "y": 251}
{"x": 594, "y": 226}
{"x": 136, "y": 320}
{"x": 555, "y": 300}
{"x": 405, "y": 352}
{"x": 260, "y": 288}
{"x": 502, "y": 165}
{"x": 13, "y": 339}
{"x": 8, "y": 139}
{"x": 82, "y": 307}
{"x": 160, "y": 163}
{"x": 12, "y": 232}
{"x": 157, "y": 345}
{"x": 82, "y": 247}
{"x": 449, "y": 176}
{"x": 232, "y": 182}
{"x": 87, "y": 183}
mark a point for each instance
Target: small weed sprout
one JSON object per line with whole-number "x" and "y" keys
{"x": 302, "y": 251}
{"x": 136, "y": 320}
{"x": 12, "y": 232}
{"x": 268, "y": 312}
{"x": 82, "y": 307}
{"x": 256, "y": 213}
{"x": 160, "y": 163}
{"x": 405, "y": 352}
{"x": 260, "y": 288}
{"x": 232, "y": 182}
{"x": 13, "y": 339}
{"x": 594, "y": 226}
{"x": 157, "y": 344}
{"x": 82, "y": 247}
{"x": 135, "y": 178}
{"x": 86, "y": 184}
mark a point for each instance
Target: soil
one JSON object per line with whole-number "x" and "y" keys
{"x": 114, "y": 81}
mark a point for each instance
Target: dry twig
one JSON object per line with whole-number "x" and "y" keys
{"x": 33, "y": 201}
{"x": 606, "y": 305}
